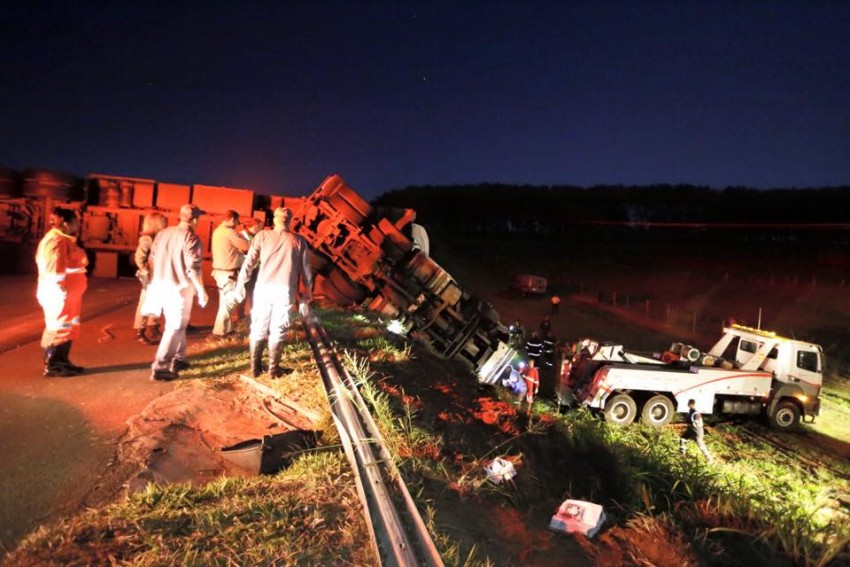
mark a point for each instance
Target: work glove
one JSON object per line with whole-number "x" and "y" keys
{"x": 203, "y": 298}
{"x": 239, "y": 293}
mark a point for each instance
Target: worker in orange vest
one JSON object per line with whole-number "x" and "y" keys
{"x": 532, "y": 381}
{"x": 61, "y": 285}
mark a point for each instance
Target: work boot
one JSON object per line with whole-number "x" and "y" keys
{"x": 163, "y": 375}
{"x": 256, "y": 349}
{"x": 51, "y": 365}
{"x": 63, "y": 351}
{"x": 142, "y": 338}
{"x": 274, "y": 360}
{"x": 179, "y": 364}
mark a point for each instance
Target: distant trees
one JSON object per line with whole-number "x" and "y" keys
{"x": 499, "y": 208}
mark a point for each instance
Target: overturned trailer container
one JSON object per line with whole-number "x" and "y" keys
{"x": 359, "y": 258}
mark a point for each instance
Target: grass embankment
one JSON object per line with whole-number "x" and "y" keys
{"x": 759, "y": 504}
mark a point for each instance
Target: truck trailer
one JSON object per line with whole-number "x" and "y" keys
{"x": 361, "y": 256}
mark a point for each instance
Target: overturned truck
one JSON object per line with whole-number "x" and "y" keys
{"x": 359, "y": 258}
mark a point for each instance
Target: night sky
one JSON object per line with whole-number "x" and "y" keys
{"x": 274, "y": 96}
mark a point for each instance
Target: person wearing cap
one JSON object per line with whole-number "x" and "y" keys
{"x": 284, "y": 264}
{"x": 176, "y": 256}
{"x": 228, "y": 251}
{"x": 147, "y": 328}
{"x": 61, "y": 285}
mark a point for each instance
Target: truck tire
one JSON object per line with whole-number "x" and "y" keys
{"x": 657, "y": 411}
{"x": 785, "y": 416}
{"x": 620, "y": 410}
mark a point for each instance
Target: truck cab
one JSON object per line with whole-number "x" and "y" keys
{"x": 797, "y": 368}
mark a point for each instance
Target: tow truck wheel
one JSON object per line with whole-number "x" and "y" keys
{"x": 620, "y": 410}
{"x": 785, "y": 416}
{"x": 657, "y": 411}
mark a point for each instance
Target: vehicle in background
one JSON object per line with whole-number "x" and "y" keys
{"x": 529, "y": 284}
{"x": 747, "y": 372}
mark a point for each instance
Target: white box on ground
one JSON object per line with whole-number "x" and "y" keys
{"x": 578, "y": 516}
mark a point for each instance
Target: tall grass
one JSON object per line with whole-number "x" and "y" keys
{"x": 759, "y": 491}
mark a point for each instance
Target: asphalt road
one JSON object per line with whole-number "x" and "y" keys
{"x": 58, "y": 435}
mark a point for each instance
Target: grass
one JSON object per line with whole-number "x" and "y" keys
{"x": 758, "y": 492}
{"x": 307, "y": 515}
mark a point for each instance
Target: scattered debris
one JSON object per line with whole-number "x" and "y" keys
{"x": 578, "y": 516}
{"x": 500, "y": 470}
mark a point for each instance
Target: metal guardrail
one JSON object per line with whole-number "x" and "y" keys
{"x": 397, "y": 531}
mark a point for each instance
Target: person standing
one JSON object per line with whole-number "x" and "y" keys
{"x": 61, "y": 285}
{"x": 516, "y": 335}
{"x": 253, "y": 227}
{"x": 176, "y": 256}
{"x": 556, "y": 304}
{"x": 284, "y": 263}
{"x": 147, "y": 328}
{"x": 228, "y": 251}
{"x": 534, "y": 347}
{"x": 695, "y": 432}
{"x": 532, "y": 382}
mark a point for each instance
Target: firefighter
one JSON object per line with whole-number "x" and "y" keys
{"x": 549, "y": 348}
{"x": 532, "y": 381}
{"x": 176, "y": 256}
{"x": 147, "y": 328}
{"x": 61, "y": 285}
{"x": 284, "y": 261}
{"x": 516, "y": 335}
{"x": 694, "y": 432}
{"x": 534, "y": 347}
{"x": 228, "y": 251}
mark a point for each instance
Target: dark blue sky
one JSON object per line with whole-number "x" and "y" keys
{"x": 274, "y": 96}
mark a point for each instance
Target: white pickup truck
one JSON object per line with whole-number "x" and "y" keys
{"x": 748, "y": 371}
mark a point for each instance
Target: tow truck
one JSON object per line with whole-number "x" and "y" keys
{"x": 748, "y": 371}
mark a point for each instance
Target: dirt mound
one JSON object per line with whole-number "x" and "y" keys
{"x": 180, "y": 436}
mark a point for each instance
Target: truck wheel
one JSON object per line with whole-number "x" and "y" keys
{"x": 657, "y": 411}
{"x": 785, "y": 416}
{"x": 620, "y": 410}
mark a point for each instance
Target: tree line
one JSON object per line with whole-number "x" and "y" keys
{"x": 493, "y": 207}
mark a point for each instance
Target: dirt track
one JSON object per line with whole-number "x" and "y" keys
{"x": 59, "y": 434}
